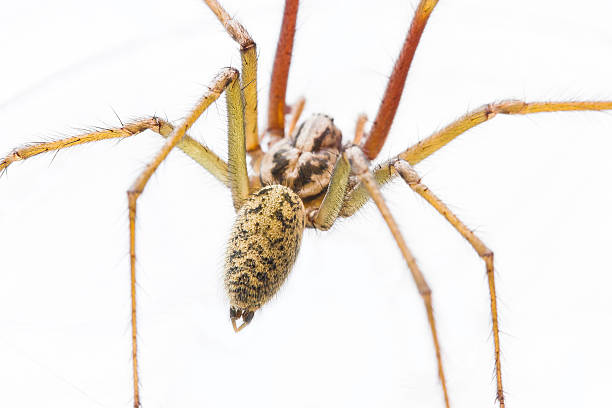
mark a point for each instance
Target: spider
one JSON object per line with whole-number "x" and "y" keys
{"x": 345, "y": 137}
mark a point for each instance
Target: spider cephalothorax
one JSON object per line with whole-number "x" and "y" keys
{"x": 304, "y": 161}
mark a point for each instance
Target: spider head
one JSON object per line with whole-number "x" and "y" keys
{"x": 305, "y": 160}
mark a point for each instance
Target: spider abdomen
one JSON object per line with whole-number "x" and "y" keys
{"x": 262, "y": 247}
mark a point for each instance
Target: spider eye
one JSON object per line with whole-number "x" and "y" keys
{"x": 262, "y": 248}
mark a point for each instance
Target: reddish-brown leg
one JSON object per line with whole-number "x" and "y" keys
{"x": 386, "y": 112}
{"x": 280, "y": 72}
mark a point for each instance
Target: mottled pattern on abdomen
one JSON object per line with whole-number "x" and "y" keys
{"x": 263, "y": 246}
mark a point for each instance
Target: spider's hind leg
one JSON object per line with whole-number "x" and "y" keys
{"x": 410, "y": 176}
{"x": 360, "y": 165}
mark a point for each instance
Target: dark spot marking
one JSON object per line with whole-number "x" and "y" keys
{"x": 278, "y": 214}
{"x": 318, "y": 141}
{"x": 255, "y": 210}
{"x": 247, "y": 316}
{"x": 262, "y": 277}
{"x": 270, "y": 262}
{"x": 243, "y": 279}
{"x": 307, "y": 170}
{"x": 280, "y": 164}
{"x": 263, "y": 191}
{"x": 236, "y": 254}
{"x": 297, "y": 135}
{"x": 288, "y": 199}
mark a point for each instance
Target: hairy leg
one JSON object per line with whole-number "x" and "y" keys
{"x": 248, "y": 54}
{"x": 360, "y": 128}
{"x": 280, "y": 72}
{"x": 410, "y": 176}
{"x": 296, "y": 112}
{"x": 436, "y": 141}
{"x": 228, "y": 78}
{"x": 194, "y": 149}
{"x": 375, "y": 139}
{"x": 330, "y": 207}
{"x": 383, "y": 173}
{"x": 360, "y": 165}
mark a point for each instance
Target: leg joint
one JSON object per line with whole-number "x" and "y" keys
{"x": 406, "y": 172}
{"x": 487, "y": 254}
{"x": 507, "y": 107}
{"x": 133, "y": 194}
{"x": 425, "y": 290}
{"x": 357, "y": 159}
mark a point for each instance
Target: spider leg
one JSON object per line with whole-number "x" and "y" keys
{"x": 359, "y": 195}
{"x": 375, "y": 139}
{"x": 359, "y": 128}
{"x": 248, "y": 54}
{"x": 296, "y": 112}
{"x": 194, "y": 149}
{"x": 256, "y": 156}
{"x": 436, "y": 141}
{"x": 227, "y": 79}
{"x": 236, "y": 141}
{"x": 360, "y": 165}
{"x": 280, "y": 72}
{"x": 328, "y": 211}
{"x": 413, "y": 180}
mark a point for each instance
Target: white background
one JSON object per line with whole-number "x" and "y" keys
{"x": 348, "y": 328}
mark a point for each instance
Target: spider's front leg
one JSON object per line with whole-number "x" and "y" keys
{"x": 238, "y": 179}
{"x": 248, "y": 54}
{"x": 191, "y": 147}
{"x": 360, "y": 165}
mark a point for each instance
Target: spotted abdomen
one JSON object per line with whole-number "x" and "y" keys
{"x": 262, "y": 247}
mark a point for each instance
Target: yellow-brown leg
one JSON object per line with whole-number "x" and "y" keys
{"x": 324, "y": 217}
{"x": 248, "y": 54}
{"x": 359, "y": 128}
{"x": 228, "y": 78}
{"x": 411, "y": 178}
{"x": 426, "y": 147}
{"x": 436, "y": 141}
{"x": 296, "y": 112}
{"x": 360, "y": 165}
{"x": 194, "y": 149}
